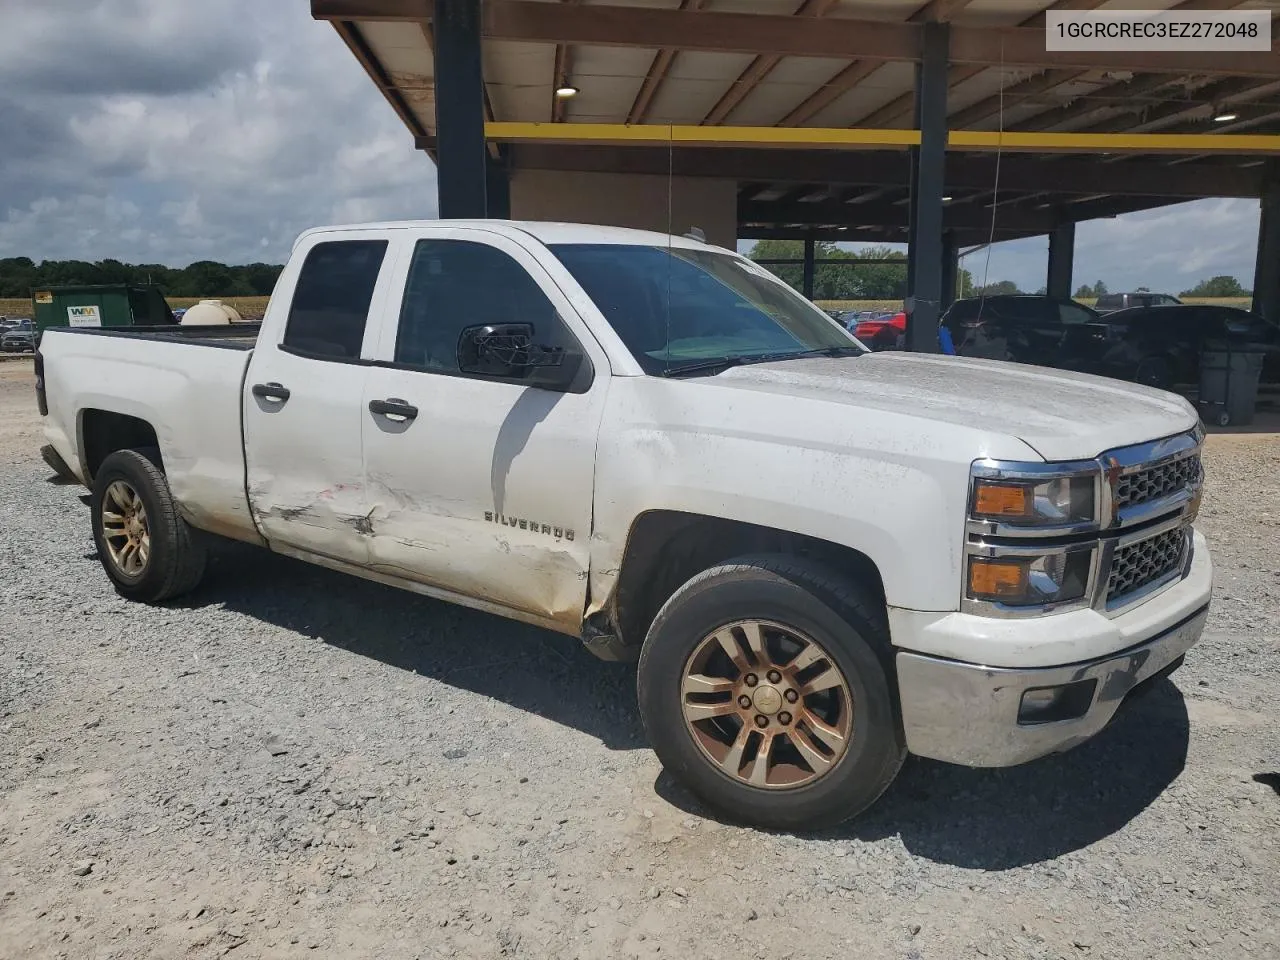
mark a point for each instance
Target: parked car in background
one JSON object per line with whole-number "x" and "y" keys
{"x": 884, "y": 332}
{"x": 1048, "y": 331}
{"x": 1161, "y": 346}
{"x": 1109, "y": 302}
{"x": 19, "y": 339}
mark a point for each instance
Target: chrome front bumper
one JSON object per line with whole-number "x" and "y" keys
{"x": 969, "y": 714}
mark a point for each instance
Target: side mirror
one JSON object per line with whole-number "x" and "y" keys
{"x": 508, "y": 350}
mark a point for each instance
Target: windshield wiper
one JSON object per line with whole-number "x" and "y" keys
{"x": 720, "y": 364}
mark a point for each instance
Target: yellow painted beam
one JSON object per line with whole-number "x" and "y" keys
{"x": 690, "y": 135}
{"x": 1113, "y": 142}
{"x": 655, "y": 134}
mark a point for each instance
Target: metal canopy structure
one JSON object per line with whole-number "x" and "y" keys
{"x": 836, "y": 119}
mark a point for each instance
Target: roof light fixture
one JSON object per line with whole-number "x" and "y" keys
{"x": 1224, "y": 117}
{"x": 565, "y": 91}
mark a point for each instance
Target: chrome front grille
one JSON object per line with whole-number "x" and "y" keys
{"x": 1157, "y": 481}
{"x": 1146, "y": 562}
{"x": 1140, "y": 544}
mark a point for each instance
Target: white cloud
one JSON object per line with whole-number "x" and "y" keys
{"x": 173, "y": 130}
{"x": 227, "y": 128}
{"x": 1168, "y": 249}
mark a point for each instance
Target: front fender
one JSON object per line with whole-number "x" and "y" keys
{"x": 893, "y": 488}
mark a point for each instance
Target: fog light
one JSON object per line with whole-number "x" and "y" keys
{"x": 1070, "y": 701}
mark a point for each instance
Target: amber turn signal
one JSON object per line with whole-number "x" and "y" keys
{"x": 997, "y": 579}
{"x": 1001, "y": 500}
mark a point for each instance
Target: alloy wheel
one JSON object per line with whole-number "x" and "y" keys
{"x": 767, "y": 704}
{"x": 125, "y": 529}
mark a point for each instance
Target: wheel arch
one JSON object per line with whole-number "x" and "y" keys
{"x": 103, "y": 432}
{"x": 665, "y": 548}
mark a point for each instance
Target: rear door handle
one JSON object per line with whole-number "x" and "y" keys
{"x": 394, "y": 409}
{"x": 271, "y": 391}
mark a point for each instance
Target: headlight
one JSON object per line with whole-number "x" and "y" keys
{"x": 1048, "y": 501}
{"x": 1052, "y": 577}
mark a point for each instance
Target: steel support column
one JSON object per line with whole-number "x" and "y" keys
{"x": 950, "y": 270}
{"x": 1266, "y": 272}
{"x": 924, "y": 268}
{"x": 497, "y": 188}
{"x": 1062, "y": 252}
{"x": 806, "y": 284}
{"x": 461, "y": 160}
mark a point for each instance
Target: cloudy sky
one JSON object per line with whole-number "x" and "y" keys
{"x": 1168, "y": 249}
{"x": 175, "y": 130}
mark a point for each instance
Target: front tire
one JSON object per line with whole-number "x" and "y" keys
{"x": 147, "y": 550}
{"x": 763, "y": 688}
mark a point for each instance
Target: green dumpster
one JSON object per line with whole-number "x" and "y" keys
{"x": 99, "y": 305}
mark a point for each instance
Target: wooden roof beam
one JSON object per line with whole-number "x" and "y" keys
{"x": 1018, "y": 173}
{"x": 902, "y": 106}
{"x": 561, "y": 74}
{"x": 1051, "y": 79}
{"x": 1208, "y": 101}
{"x": 1040, "y": 217}
{"x": 611, "y": 25}
{"x": 383, "y": 11}
{"x": 858, "y": 233}
{"x": 351, "y": 36}
{"x": 657, "y": 75}
{"x": 1226, "y": 91}
{"x": 852, "y": 75}
{"x": 760, "y": 67}
{"x": 1126, "y": 91}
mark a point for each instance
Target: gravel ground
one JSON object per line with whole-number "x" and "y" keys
{"x": 294, "y": 763}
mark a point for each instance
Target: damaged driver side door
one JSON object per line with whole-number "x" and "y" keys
{"x": 480, "y": 422}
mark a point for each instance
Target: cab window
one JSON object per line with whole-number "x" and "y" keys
{"x": 455, "y": 284}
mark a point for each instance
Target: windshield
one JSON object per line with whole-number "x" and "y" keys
{"x": 677, "y": 307}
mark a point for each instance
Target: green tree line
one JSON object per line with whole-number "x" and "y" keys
{"x": 205, "y": 278}
{"x": 1214, "y": 287}
{"x": 854, "y": 278}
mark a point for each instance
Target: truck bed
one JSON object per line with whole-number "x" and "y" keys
{"x": 234, "y": 336}
{"x": 150, "y": 377}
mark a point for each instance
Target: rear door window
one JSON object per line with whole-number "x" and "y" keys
{"x": 331, "y": 301}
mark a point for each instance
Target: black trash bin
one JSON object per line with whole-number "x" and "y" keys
{"x": 1229, "y": 384}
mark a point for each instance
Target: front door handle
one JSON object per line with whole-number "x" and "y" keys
{"x": 394, "y": 409}
{"x": 271, "y": 391}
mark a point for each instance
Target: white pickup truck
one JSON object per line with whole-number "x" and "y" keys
{"x": 823, "y": 558}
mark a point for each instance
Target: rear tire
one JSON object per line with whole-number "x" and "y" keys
{"x": 787, "y": 603}
{"x": 148, "y": 551}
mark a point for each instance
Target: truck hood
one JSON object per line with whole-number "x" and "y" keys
{"x": 1061, "y": 415}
